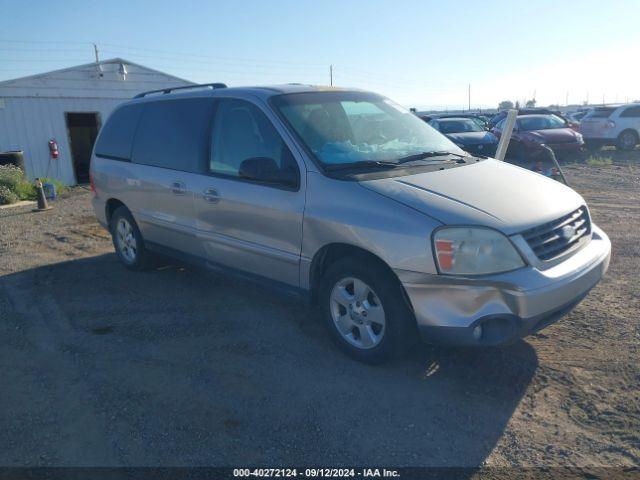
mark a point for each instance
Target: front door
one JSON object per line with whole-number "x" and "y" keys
{"x": 83, "y": 130}
{"x": 243, "y": 223}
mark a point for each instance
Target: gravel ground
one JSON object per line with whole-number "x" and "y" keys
{"x": 179, "y": 367}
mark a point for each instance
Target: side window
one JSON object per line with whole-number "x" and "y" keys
{"x": 116, "y": 137}
{"x": 246, "y": 145}
{"x": 173, "y": 134}
{"x": 631, "y": 112}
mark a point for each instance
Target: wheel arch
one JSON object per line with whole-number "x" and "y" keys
{"x": 110, "y": 206}
{"x": 333, "y": 252}
{"x": 630, "y": 130}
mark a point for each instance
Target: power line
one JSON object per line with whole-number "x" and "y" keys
{"x": 41, "y": 50}
{"x": 168, "y": 52}
{"x": 40, "y": 42}
{"x": 184, "y": 54}
{"x": 217, "y": 62}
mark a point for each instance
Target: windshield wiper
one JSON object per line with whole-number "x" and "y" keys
{"x": 423, "y": 155}
{"x": 360, "y": 164}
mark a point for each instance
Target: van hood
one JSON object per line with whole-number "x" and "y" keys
{"x": 488, "y": 193}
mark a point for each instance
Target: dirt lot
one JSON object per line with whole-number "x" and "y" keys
{"x": 102, "y": 366}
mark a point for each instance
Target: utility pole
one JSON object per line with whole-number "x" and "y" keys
{"x": 331, "y": 75}
{"x": 566, "y": 99}
{"x": 98, "y": 66}
{"x": 469, "y": 97}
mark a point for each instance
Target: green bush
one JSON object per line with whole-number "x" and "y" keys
{"x": 597, "y": 161}
{"x": 25, "y": 191}
{"x": 7, "y": 196}
{"x": 13, "y": 180}
{"x": 60, "y": 187}
{"x": 10, "y": 176}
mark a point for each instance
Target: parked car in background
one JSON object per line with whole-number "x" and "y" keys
{"x": 579, "y": 115}
{"x": 535, "y": 111}
{"x": 481, "y": 120}
{"x": 347, "y": 198}
{"x": 532, "y": 131}
{"x": 617, "y": 125}
{"x": 467, "y": 134}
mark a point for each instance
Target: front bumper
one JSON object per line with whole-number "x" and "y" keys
{"x": 566, "y": 147}
{"x": 506, "y": 306}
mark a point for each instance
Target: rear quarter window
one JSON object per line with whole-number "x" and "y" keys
{"x": 116, "y": 137}
{"x": 603, "y": 112}
{"x": 631, "y": 112}
{"x": 173, "y": 134}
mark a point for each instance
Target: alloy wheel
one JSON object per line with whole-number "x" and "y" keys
{"x": 357, "y": 313}
{"x": 126, "y": 240}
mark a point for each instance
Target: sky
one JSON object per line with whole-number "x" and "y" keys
{"x": 421, "y": 53}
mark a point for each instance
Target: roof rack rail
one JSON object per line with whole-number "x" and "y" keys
{"x": 165, "y": 91}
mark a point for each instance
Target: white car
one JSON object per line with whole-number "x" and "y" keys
{"x": 617, "y": 125}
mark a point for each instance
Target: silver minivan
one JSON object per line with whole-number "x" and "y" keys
{"x": 354, "y": 202}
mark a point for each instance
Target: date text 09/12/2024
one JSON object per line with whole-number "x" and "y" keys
{"x": 316, "y": 472}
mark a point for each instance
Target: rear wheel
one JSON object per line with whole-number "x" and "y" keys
{"x": 365, "y": 311}
{"x": 128, "y": 241}
{"x": 627, "y": 140}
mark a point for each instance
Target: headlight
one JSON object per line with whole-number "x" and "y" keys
{"x": 578, "y": 137}
{"x": 474, "y": 251}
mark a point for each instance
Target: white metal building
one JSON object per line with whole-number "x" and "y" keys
{"x": 65, "y": 108}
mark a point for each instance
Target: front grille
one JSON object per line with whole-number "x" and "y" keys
{"x": 554, "y": 238}
{"x": 487, "y": 149}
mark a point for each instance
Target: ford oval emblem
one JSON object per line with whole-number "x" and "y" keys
{"x": 567, "y": 232}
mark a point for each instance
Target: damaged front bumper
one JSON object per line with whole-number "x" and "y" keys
{"x": 499, "y": 309}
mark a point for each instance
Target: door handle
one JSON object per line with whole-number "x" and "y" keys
{"x": 178, "y": 188}
{"x": 211, "y": 195}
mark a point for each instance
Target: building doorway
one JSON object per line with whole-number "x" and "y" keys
{"x": 83, "y": 130}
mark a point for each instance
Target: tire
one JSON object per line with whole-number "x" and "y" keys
{"x": 383, "y": 301}
{"x": 128, "y": 241}
{"x": 627, "y": 141}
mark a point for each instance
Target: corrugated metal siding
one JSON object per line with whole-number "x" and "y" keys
{"x": 28, "y": 123}
{"x": 34, "y": 110}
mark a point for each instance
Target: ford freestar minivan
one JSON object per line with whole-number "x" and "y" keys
{"x": 342, "y": 194}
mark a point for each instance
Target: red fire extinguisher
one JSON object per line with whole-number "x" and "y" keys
{"x": 53, "y": 148}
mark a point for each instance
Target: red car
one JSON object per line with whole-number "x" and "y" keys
{"x": 532, "y": 131}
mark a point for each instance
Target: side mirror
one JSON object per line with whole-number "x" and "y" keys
{"x": 265, "y": 170}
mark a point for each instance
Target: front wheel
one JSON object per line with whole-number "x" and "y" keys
{"x": 365, "y": 311}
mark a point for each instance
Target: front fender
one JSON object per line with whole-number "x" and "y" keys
{"x": 347, "y": 213}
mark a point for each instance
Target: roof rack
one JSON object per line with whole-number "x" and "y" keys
{"x": 166, "y": 91}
